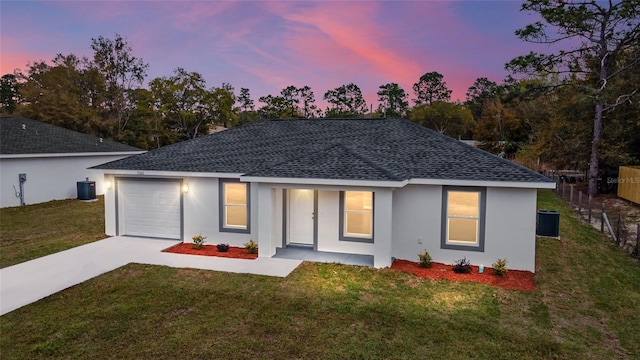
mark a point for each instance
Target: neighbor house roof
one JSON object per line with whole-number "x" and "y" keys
{"x": 19, "y": 135}
{"x": 345, "y": 149}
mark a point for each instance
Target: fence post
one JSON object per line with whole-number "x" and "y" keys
{"x": 602, "y": 215}
{"x": 638, "y": 240}
{"x": 563, "y": 186}
{"x": 580, "y": 202}
{"x": 618, "y": 231}
{"x": 571, "y": 195}
{"x": 589, "y": 209}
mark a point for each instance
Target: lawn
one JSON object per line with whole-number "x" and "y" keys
{"x": 586, "y": 307}
{"x": 29, "y": 232}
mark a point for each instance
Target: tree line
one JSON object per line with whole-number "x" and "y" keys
{"x": 572, "y": 109}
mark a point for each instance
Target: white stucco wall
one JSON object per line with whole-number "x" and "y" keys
{"x": 509, "y": 230}
{"x": 49, "y": 178}
{"x": 200, "y": 211}
{"x": 407, "y": 221}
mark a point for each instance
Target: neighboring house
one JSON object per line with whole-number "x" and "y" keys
{"x": 386, "y": 187}
{"x": 52, "y": 158}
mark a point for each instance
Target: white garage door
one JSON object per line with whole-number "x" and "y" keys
{"x": 149, "y": 208}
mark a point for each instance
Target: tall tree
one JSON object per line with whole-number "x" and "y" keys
{"x": 499, "y": 128}
{"x": 122, "y": 72}
{"x": 276, "y": 107}
{"x": 478, "y": 92}
{"x": 67, "y": 93}
{"x": 246, "y": 113}
{"x": 184, "y": 103}
{"x": 431, "y": 88}
{"x": 246, "y": 104}
{"x": 346, "y": 101}
{"x": 393, "y": 100}
{"x": 444, "y": 117}
{"x": 308, "y": 100}
{"x": 9, "y": 95}
{"x": 597, "y": 35}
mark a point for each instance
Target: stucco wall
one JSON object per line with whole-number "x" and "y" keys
{"x": 49, "y": 178}
{"x": 509, "y": 231}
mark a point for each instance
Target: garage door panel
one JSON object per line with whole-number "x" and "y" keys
{"x": 150, "y": 208}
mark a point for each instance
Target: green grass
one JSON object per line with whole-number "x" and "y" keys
{"x": 33, "y": 231}
{"x": 586, "y": 307}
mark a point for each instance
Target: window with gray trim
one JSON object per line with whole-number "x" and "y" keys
{"x": 234, "y": 205}
{"x": 356, "y": 216}
{"x": 463, "y": 218}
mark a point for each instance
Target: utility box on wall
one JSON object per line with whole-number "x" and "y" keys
{"x": 86, "y": 190}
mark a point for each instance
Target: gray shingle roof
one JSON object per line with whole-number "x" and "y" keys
{"x": 19, "y": 135}
{"x": 379, "y": 149}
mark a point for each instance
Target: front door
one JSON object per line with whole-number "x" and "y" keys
{"x": 300, "y": 217}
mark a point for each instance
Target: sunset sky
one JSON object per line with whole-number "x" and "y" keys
{"x": 267, "y": 45}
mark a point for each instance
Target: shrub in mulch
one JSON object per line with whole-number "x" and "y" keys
{"x": 211, "y": 250}
{"x": 514, "y": 279}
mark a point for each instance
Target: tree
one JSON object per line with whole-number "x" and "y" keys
{"x": 222, "y": 111}
{"x": 67, "y": 93}
{"x": 9, "y": 94}
{"x": 499, "y": 128}
{"x": 477, "y": 93}
{"x": 246, "y": 104}
{"x": 346, "y": 101}
{"x": 605, "y": 37}
{"x": 276, "y": 107}
{"x": 393, "y": 100}
{"x": 121, "y": 71}
{"x": 184, "y": 103}
{"x": 309, "y": 108}
{"x": 444, "y": 117}
{"x": 431, "y": 88}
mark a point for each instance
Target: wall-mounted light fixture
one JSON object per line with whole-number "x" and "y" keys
{"x": 108, "y": 184}
{"x": 185, "y": 188}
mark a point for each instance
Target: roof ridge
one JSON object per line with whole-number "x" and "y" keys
{"x": 373, "y": 164}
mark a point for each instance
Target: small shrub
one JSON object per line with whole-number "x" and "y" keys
{"x": 198, "y": 240}
{"x": 425, "y": 259}
{"x": 251, "y": 246}
{"x": 500, "y": 267}
{"x": 462, "y": 266}
{"x": 223, "y": 247}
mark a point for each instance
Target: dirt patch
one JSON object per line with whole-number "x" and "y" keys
{"x": 211, "y": 250}
{"x": 513, "y": 279}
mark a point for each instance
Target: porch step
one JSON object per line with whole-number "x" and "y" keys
{"x": 304, "y": 253}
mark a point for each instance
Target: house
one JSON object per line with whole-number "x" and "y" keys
{"x": 383, "y": 187}
{"x": 51, "y": 160}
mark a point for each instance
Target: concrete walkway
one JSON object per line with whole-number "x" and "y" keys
{"x": 33, "y": 280}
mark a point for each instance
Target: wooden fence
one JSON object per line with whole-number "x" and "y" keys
{"x": 629, "y": 183}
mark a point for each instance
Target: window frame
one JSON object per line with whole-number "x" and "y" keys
{"x": 342, "y": 216}
{"x": 482, "y": 198}
{"x": 222, "y": 206}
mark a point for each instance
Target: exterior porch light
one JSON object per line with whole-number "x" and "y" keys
{"x": 108, "y": 184}
{"x": 185, "y": 188}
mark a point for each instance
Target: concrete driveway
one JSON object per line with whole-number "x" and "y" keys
{"x": 33, "y": 280}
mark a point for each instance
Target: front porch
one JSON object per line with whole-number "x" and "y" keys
{"x": 306, "y": 253}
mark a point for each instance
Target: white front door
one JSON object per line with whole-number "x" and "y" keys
{"x": 300, "y": 217}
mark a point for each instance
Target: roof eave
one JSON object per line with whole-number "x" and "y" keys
{"x": 486, "y": 183}
{"x": 79, "y": 154}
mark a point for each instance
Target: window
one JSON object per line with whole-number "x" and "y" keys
{"x": 234, "y": 206}
{"x": 356, "y": 220}
{"x": 463, "y": 218}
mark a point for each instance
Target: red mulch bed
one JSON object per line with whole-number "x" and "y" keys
{"x": 513, "y": 279}
{"x": 211, "y": 250}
